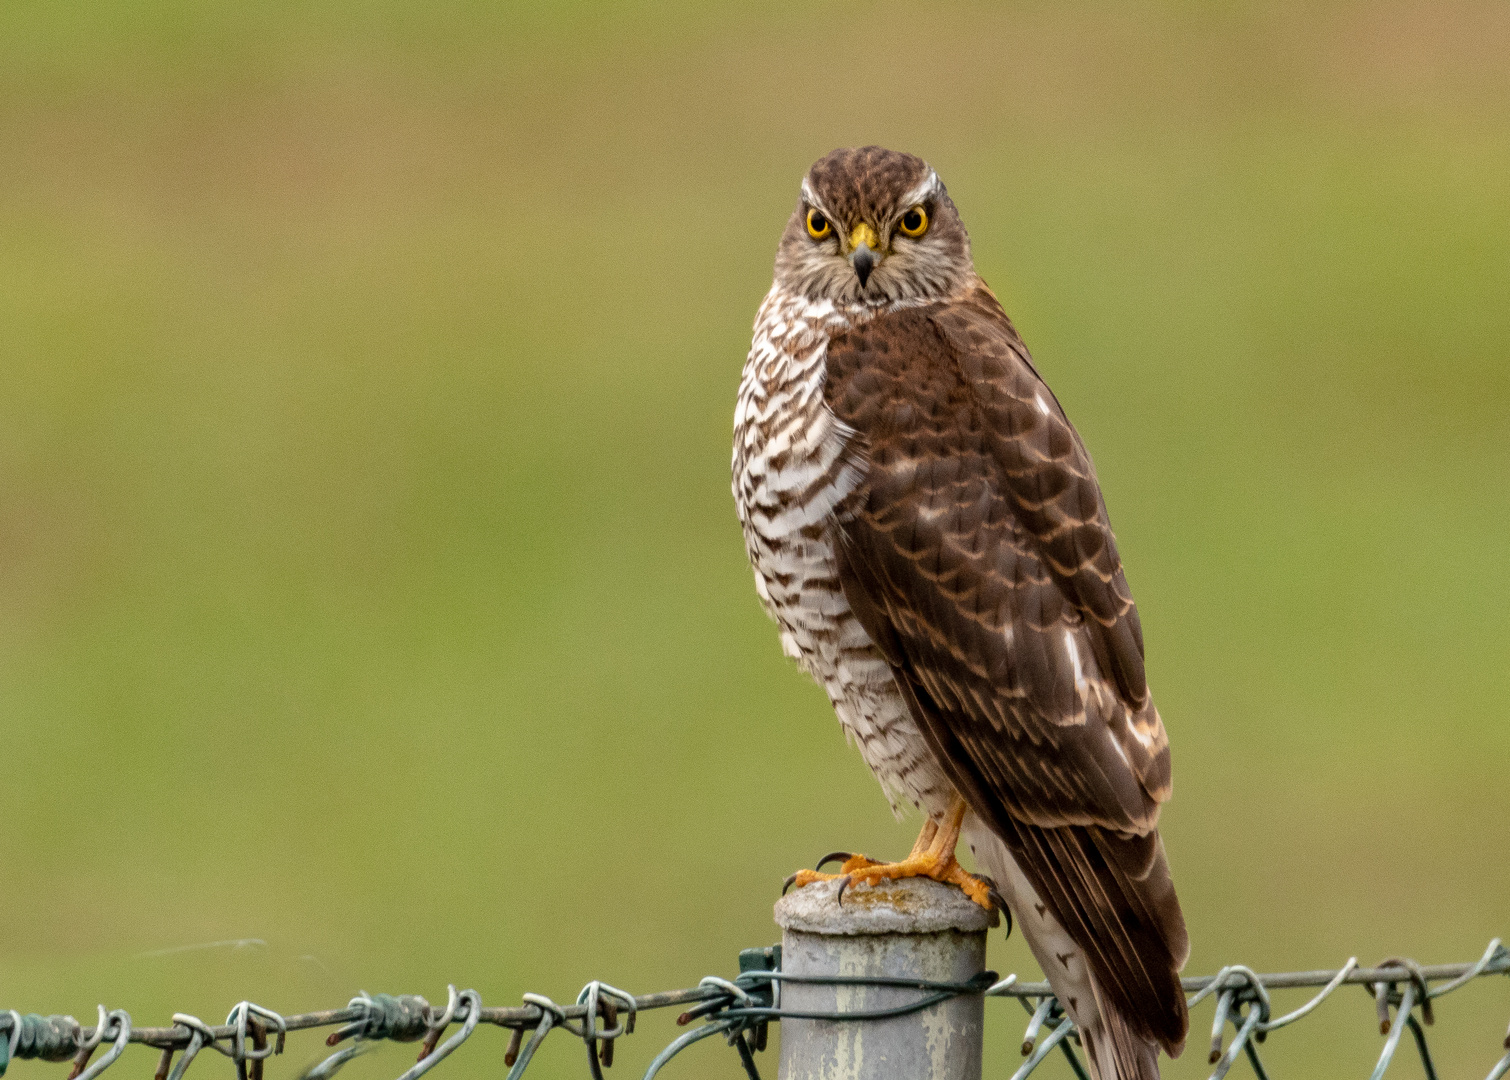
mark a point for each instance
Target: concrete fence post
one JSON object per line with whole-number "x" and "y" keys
{"x": 912, "y": 929}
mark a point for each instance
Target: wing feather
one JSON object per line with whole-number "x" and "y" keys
{"x": 978, "y": 555}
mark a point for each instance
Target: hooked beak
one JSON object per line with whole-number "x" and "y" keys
{"x": 864, "y": 251}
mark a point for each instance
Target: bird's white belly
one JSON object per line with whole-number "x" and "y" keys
{"x": 789, "y": 477}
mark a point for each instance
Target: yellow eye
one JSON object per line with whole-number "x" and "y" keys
{"x": 818, "y": 226}
{"x": 914, "y": 222}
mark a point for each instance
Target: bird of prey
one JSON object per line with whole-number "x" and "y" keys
{"x": 926, "y": 528}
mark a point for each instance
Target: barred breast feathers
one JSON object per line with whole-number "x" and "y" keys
{"x": 791, "y": 471}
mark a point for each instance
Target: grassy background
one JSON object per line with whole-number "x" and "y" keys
{"x": 369, "y": 580}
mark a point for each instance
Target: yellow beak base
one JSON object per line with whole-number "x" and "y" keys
{"x": 864, "y": 234}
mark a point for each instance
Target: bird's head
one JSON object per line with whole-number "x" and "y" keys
{"x": 873, "y": 226}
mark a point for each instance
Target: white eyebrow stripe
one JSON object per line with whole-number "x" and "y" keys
{"x": 929, "y": 186}
{"x": 814, "y": 201}
{"x": 812, "y": 198}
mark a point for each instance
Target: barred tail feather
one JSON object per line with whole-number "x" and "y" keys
{"x": 1113, "y": 1050}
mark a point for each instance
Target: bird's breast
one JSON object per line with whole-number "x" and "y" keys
{"x": 792, "y": 469}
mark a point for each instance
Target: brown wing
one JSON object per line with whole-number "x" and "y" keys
{"x": 978, "y": 555}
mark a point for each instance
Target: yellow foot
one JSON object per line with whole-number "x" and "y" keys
{"x": 931, "y": 857}
{"x": 929, "y": 865}
{"x": 850, "y": 864}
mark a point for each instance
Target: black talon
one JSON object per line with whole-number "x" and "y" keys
{"x": 787, "y": 884}
{"x": 834, "y": 856}
{"x": 999, "y": 900}
{"x": 844, "y": 883}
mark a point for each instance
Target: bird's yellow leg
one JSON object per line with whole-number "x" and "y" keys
{"x": 925, "y": 838}
{"x": 932, "y": 856}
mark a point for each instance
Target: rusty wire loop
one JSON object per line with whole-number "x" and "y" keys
{"x": 1393, "y": 1030}
{"x": 200, "y": 1036}
{"x": 122, "y": 1021}
{"x": 597, "y": 1000}
{"x": 1045, "y": 1046}
{"x": 1047, "y": 1014}
{"x": 739, "y": 1010}
{"x": 1417, "y": 992}
{"x": 472, "y": 1001}
{"x": 1040, "y": 1014}
{"x": 603, "y": 1000}
{"x": 1244, "y": 1002}
{"x": 242, "y": 1014}
{"x": 88, "y": 1043}
{"x": 551, "y": 1014}
{"x": 403, "y": 1018}
{"x": 443, "y": 1021}
{"x": 436, "y": 1026}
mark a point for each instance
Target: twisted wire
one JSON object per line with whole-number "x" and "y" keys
{"x": 739, "y": 1010}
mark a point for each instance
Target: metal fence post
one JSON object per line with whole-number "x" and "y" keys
{"x": 915, "y": 928}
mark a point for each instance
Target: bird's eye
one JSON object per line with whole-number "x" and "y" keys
{"x": 915, "y": 222}
{"x": 818, "y": 226}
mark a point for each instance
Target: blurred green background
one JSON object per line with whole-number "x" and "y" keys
{"x": 369, "y": 578}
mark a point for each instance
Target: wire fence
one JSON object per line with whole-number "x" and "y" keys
{"x": 739, "y": 1009}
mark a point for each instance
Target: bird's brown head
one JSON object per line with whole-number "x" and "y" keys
{"x": 873, "y": 226}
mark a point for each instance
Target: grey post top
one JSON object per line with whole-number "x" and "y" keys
{"x": 909, "y": 906}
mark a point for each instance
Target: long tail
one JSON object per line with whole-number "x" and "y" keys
{"x": 1113, "y": 1049}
